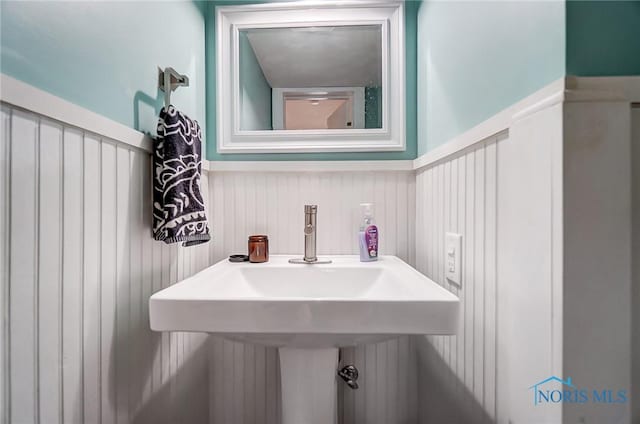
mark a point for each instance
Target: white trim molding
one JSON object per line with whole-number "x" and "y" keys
{"x": 563, "y": 90}
{"x": 312, "y": 166}
{"x": 603, "y": 88}
{"x": 497, "y": 124}
{"x": 570, "y": 89}
{"x": 25, "y": 96}
{"x": 231, "y": 19}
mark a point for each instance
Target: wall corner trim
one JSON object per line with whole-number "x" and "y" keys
{"x": 591, "y": 89}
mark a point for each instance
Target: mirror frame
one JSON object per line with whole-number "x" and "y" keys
{"x": 231, "y": 19}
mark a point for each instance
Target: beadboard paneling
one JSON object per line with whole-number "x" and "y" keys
{"x": 244, "y": 203}
{"x": 78, "y": 265}
{"x": 78, "y": 346}
{"x": 458, "y": 373}
{"x": 245, "y": 378}
{"x": 504, "y": 196}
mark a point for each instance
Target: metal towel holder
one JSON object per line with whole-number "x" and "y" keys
{"x": 171, "y": 79}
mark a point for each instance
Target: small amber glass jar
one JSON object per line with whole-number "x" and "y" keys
{"x": 258, "y": 248}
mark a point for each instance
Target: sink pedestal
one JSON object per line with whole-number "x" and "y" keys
{"x": 309, "y": 385}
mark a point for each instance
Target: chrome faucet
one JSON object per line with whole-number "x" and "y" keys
{"x": 310, "y": 212}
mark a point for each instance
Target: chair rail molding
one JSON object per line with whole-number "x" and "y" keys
{"x": 564, "y": 90}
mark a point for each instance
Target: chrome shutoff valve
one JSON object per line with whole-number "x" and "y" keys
{"x": 350, "y": 375}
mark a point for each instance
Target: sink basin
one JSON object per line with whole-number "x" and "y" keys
{"x": 343, "y": 303}
{"x": 308, "y": 312}
{"x": 323, "y": 282}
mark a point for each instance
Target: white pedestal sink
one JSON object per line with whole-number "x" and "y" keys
{"x": 308, "y": 312}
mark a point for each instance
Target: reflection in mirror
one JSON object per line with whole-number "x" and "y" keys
{"x": 307, "y": 78}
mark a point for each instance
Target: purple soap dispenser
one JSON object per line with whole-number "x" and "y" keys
{"x": 368, "y": 235}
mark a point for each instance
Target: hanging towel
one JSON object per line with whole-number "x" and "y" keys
{"x": 178, "y": 206}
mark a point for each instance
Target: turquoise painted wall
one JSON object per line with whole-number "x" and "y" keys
{"x": 603, "y": 38}
{"x": 373, "y": 107}
{"x": 255, "y": 91}
{"x": 473, "y": 59}
{"x": 411, "y": 10}
{"x": 477, "y": 58}
{"x": 103, "y": 55}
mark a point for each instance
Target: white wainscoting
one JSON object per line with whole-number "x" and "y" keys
{"x": 505, "y": 341}
{"x": 244, "y": 203}
{"x": 458, "y": 373}
{"x": 78, "y": 265}
{"x": 541, "y": 293}
{"x": 244, "y": 382}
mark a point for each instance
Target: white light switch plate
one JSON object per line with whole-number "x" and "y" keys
{"x": 453, "y": 258}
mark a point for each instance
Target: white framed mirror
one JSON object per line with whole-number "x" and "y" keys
{"x": 306, "y": 76}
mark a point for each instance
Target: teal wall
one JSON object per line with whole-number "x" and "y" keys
{"x": 255, "y": 91}
{"x": 603, "y": 38}
{"x": 466, "y": 61}
{"x": 411, "y": 10}
{"x": 373, "y": 107}
{"x": 103, "y": 55}
{"x": 477, "y": 58}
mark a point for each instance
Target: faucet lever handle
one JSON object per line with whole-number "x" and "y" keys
{"x": 308, "y": 229}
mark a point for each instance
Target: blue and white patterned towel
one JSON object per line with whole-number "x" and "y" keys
{"x": 178, "y": 206}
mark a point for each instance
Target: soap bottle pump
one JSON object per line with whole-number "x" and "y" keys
{"x": 368, "y": 235}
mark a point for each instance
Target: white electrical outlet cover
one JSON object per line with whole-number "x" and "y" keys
{"x": 453, "y": 258}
